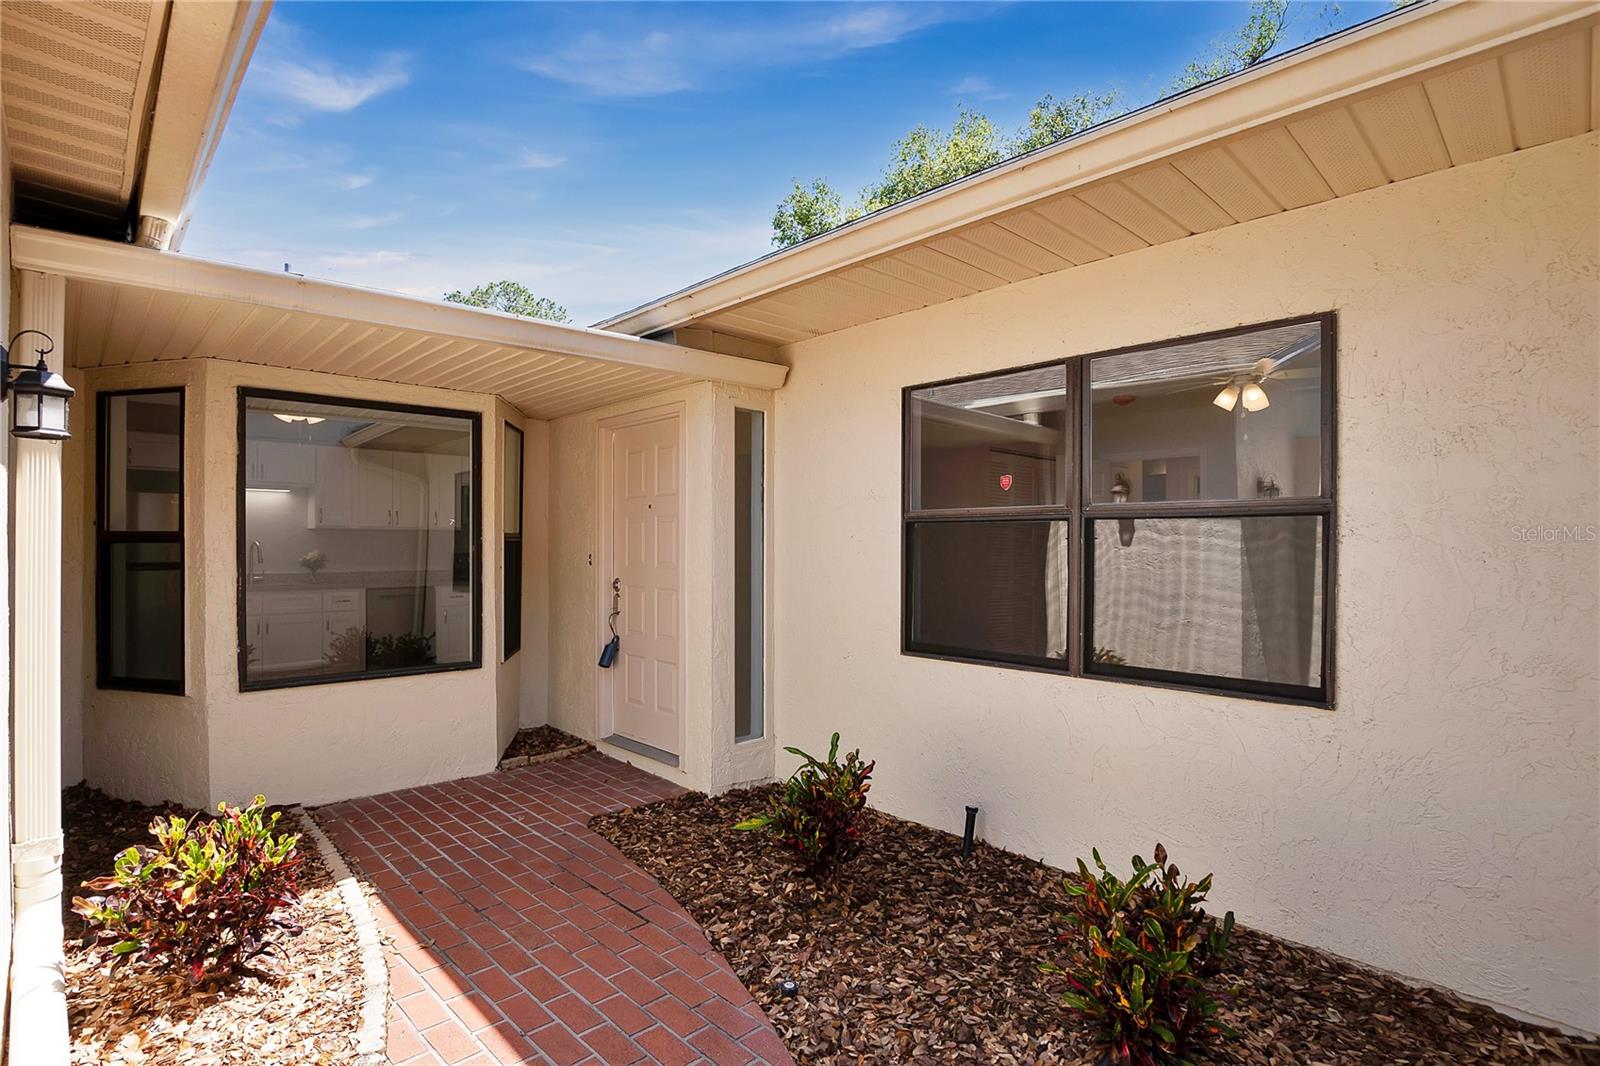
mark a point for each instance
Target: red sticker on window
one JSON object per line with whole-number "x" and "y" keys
{"x": 1005, "y": 482}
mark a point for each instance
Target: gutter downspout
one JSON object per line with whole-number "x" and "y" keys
{"x": 38, "y": 1008}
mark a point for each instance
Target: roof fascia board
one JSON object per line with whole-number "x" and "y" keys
{"x": 1388, "y": 50}
{"x": 87, "y": 259}
{"x": 204, "y": 57}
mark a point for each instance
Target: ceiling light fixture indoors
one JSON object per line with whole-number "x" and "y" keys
{"x": 1228, "y": 397}
{"x": 307, "y": 419}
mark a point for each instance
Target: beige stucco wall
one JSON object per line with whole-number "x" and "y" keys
{"x": 710, "y": 759}
{"x": 1441, "y": 821}
{"x": 312, "y": 744}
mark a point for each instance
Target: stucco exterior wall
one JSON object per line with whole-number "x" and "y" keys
{"x": 1441, "y": 820}
{"x": 312, "y": 744}
{"x": 709, "y": 758}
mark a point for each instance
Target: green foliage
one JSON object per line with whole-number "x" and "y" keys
{"x": 817, "y": 812}
{"x": 1052, "y": 120}
{"x": 1250, "y": 43}
{"x": 1144, "y": 949}
{"x": 511, "y": 298}
{"x": 204, "y": 898}
{"x": 357, "y": 649}
{"x": 807, "y": 211}
{"x": 927, "y": 158}
{"x": 1107, "y": 656}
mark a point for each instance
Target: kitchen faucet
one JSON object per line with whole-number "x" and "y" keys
{"x": 256, "y": 557}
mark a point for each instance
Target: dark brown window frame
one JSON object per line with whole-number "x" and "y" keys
{"x": 245, "y": 393}
{"x": 507, "y": 541}
{"x": 1080, "y": 514}
{"x": 105, "y": 539}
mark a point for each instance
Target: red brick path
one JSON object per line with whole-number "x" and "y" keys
{"x": 517, "y": 935}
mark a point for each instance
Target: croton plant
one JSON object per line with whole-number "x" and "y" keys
{"x": 818, "y": 810}
{"x": 1142, "y": 951}
{"x": 205, "y": 899}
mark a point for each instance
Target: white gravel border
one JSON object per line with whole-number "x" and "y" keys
{"x": 373, "y": 1036}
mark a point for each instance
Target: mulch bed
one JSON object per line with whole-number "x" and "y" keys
{"x": 540, "y": 743}
{"x": 300, "y": 1004}
{"x": 911, "y": 954}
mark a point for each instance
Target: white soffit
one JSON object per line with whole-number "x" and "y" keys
{"x": 77, "y": 80}
{"x": 1422, "y": 90}
{"x": 128, "y": 305}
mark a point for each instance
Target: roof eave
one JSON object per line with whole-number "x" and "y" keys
{"x": 1353, "y": 61}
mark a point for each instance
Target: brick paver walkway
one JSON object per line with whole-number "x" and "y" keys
{"x": 520, "y": 936}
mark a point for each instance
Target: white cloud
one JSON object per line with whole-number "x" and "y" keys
{"x": 287, "y": 68}
{"x": 529, "y": 159}
{"x": 362, "y": 260}
{"x": 672, "y": 59}
{"x": 975, "y": 87}
{"x": 360, "y": 180}
{"x": 372, "y": 221}
{"x": 320, "y": 87}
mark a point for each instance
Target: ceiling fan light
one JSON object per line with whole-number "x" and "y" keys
{"x": 1227, "y": 397}
{"x": 1254, "y": 397}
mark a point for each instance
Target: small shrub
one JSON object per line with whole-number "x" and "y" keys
{"x": 204, "y": 898}
{"x": 817, "y": 811}
{"x": 1145, "y": 948}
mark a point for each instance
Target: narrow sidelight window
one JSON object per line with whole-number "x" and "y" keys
{"x": 1188, "y": 483}
{"x": 749, "y": 481}
{"x": 358, "y": 539}
{"x": 511, "y": 550}
{"x": 139, "y": 581}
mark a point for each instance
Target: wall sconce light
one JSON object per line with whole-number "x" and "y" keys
{"x": 39, "y": 396}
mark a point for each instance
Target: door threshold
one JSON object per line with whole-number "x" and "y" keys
{"x": 639, "y": 747}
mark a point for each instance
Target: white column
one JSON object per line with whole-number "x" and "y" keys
{"x": 38, "y": 1024}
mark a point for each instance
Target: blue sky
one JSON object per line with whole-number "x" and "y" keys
{"x": 606, "y": 154}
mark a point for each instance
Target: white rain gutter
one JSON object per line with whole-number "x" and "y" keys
{"x": 1357, "y": 60}
{"x": 205, "y": 53}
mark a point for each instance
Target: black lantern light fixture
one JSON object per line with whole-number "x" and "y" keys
{"x": 39, "y": 396}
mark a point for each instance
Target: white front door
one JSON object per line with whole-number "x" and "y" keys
{"x": 644, "y": 554}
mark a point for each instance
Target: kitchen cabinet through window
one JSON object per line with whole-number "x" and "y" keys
{"x": 358, "y": 551}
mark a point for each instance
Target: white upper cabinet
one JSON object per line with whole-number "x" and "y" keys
{"x": 333, "y": 497}
{"x": 374, "y": 489}
{"x": 390, "y": 490}
{"x": 443, "y": 499}
{"x": 280, "y": 464}
{"x": 410, "y": 489}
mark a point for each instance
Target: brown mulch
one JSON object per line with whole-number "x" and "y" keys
{"x": 910, "y": 954}
{"x": 543, "y": 740}
{"x": 299, "y": 1004}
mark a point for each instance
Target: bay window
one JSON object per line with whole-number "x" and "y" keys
{"x": 358, "y": 539}
{"x": 1160, "y": 514}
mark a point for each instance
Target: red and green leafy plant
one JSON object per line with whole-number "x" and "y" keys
{"x": 818, "y": 811}
{"x": 204, "y": 899}
{"x": 1144, "y": 949}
